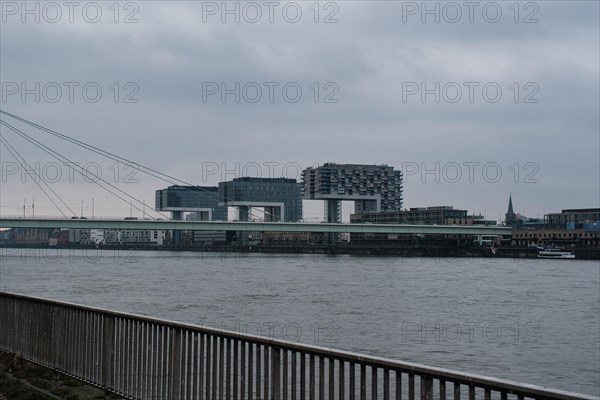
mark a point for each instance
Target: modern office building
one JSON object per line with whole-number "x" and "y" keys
{"x": 582, "y": 218}
{"x": 281, "y": 198}
{"x": 373, "y": 188}
{"x": 202, "y": 200}
{"x": 440, "y": 215}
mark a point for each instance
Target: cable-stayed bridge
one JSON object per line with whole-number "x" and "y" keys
{"x": 70, "y": 219}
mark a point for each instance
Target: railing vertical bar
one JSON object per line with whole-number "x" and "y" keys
{"x": 99, "y": 351}
{"x": 294, "y": 377}
{"x": 122, "y": 356}
{"x": 195, "y": 360}
{"x": 363, "y": 382}
{"x": 503, "y": 396}
{"x": 147, "y": 394}
{"x": 222, "y": 345}
{"x": 284, "y": 384}
{"x": 311, "y": 377}
{"x": 159, "y": 374}
{"x": 386, "y": 384}
{"x": 202, "y": 371}
{"x": 99, "y": 347}
{"x": 331, "y": 370}
{"x": 266, "y": 371}
{"x": 411, "y": 386}
{"x": 80, "y": 342}
{"x": 64, "y": 335}
{"x": 187, "y": 359}
{"x": 398, "y": 385}
{"x": 154, "y": 384}
{"x": 341, "y": 379}
{"x": 250, "y": 370}
{"x": 87, "y": 346}
{"x": 487, "y": 395}
{"x": 136, "y": 357}
{"x": 374, "y": 382}
{"x": 456, "y": 391}
{"x": 229, "y": 367}
{"x": 148, "y": 359}
{"x": 302, "y": 376}
{"x": 215, "y": 366}
{"x": 163, "y": 362}
{"x": 442, "y": 389}
{"x": 276, "y": 373}
{"x": 79, "y": 345}
{"x": 123, "y": 350}
{"x": 117, "y": 358}
{"x": 471, "y": 392}
{"x": 76, "y": 350}
{"x": 70, "y": 329}
{"x": 208, "y": 366}
{"x": 146, "y": 355}
{"x": 93, "y": 346}
{"x": 74, "y": 340}
{"x": 133, "y": 355}
{"x": 126, "y": 357}
{"x": 69, "y": 334}
{"x": 136, "y": 353}
{"x": 352, "y": 375}
{"x": 258, "y": 379}
{"x": 108, "y": 355}
{"x": 321, "y": 378}
{"x": 202, "y": 360}
{"x": 236, "y": 357}
{"x": 426, "y": 388}
{"x": 242, "y": 369}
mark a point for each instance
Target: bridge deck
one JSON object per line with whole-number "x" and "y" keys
{"x": 251, "y": 226}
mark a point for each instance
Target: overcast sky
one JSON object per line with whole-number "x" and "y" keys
{"x": 473, "y": 101}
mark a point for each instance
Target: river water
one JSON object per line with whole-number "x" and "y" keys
{"x": 534, "y": 321}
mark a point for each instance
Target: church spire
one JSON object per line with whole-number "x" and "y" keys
{"x": 510, "y": 215}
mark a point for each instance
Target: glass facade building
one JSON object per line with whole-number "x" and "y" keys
{"x": 274, "y": 194}
{"x": 200, "y": 199}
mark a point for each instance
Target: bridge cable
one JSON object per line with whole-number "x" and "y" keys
{"x": 24, "y": 164}
{"x": 114, "y": 157}
{"x": 85, "y": 174}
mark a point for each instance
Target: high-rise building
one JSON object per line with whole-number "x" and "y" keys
{"x": 373, "y": 188}
{"x": 281, "y": 198}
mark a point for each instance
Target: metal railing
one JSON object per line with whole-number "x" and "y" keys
{"x": 146, "y": 358}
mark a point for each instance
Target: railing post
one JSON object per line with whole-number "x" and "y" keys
{"x": 108, "y": 352}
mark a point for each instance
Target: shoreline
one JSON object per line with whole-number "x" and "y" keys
{"x": 344, "y": 249}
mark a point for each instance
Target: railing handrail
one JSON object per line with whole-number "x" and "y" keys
{"x": 380, "y": 362}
